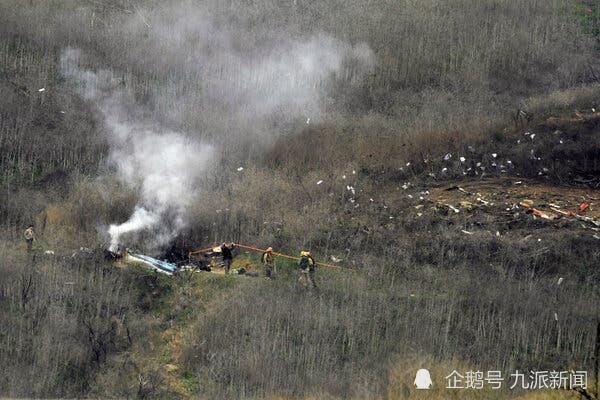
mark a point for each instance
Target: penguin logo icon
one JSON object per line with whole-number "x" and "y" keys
{"x": 423, "y": 380}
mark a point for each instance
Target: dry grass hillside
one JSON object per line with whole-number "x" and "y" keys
{"x": 398, "y": 138}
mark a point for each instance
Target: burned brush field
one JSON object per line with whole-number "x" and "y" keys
{"x": 440, "y": 162}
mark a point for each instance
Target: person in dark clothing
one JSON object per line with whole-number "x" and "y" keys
{"x": 307, "y": 270}
{"x": 227, "y": 253}
{"x": 268, "y": 262}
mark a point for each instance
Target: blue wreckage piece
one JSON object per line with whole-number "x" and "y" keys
{"x": 158, "y": 265}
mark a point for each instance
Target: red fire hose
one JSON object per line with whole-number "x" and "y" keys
{"x": 274, "y": 253}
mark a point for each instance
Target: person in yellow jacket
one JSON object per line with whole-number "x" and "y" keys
{"x": 307, "y": 270}
{"x": 268, "y": 262}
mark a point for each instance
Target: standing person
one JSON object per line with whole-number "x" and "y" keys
{"x": 268, "y": 262}
{"x": 307, "y": 270}
{"x": 226, "y": 252}
{"x": 29, "y": 237}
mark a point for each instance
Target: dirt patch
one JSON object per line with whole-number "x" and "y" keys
{"x": 508, "y": 193}
{"x": 512, "y": 204}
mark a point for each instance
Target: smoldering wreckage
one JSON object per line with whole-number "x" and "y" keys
{"x": 210, "y": 259}
{"x": 506, "y": 202}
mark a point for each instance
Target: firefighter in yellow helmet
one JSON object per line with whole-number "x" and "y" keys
{"x": 307, "y": 270}
{"x": 268, "y": 262}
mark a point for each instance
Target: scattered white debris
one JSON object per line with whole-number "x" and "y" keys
{"x": 62, "y": 112}
{"x": 593, "y": 109}
{"x": 406, "y": 185}
{"x": 478, "y": 164}
{"x": 408, "y": 164}
{"x": 336, "y": 260}
{"x": 49, "y": 252}
{"x": 561, "y": 141}
{"x": 419, "y": 214}
{"x": 444, "y": 169}
{"x": 343, "y": 176}
{"x": 353, "y": 172}
{"x": 539, "y": 240}
{"x": 532, "y": 136}
{"x": 559, "y": 281}
{"x": 371, "y": 200}
{"x": 350, "y": 189}
{"x": 497, "y": 233}
{"x": 494, "y": 155}
{"x": 509, "y": 162}
{"x": 42, "y": 90}
{"x": 240, "y": 169}
{"x": 307, "y": 121}
{"x": 410, "y": 196}
{"x": 462, "y": 159}
{"x": 352, "y": 200}
{"x": 466, "y": 232}
{"x": 555, "y": 316}
{"x": 447, "y": 157}
{"x": 319, "y": 182}
{"x": 456, "y": 210}
{"x": 517, "y": 182}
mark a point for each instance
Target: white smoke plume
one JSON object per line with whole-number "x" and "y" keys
{"x": 216, "y": 83}
{"x": 163, "y": 165}
{"x": 140, "y": 219}
{"x": 251, "y": 81}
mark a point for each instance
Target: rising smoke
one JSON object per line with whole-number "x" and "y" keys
{"x": 234, "y": 91}
{"x": 162, "y": 165}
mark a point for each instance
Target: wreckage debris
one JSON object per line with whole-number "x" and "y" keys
{"x": 149, "y": 262}
{"x": 538, "y": 213}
